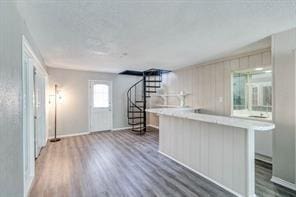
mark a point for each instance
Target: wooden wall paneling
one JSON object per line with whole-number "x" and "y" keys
{"x": 234, "y": 64}
{"x": 196, "y": 130}
{"x": 212, "y": 89}
{"x": 188, "y": 80}
{"x": 204, "y": 168}
{"x": 255, "y": 60}
{"x": 187, "y": 134}
{"x": 195, "y": 87}
{"x": 218, "y": 152}
{"x": 239, "y": 159}
{"x": 180, "y": 82}
{"x": 244, "y": 63}
{"x": 227, "y": 88}
{"x": 219, "y": 88}
{"x": 215, "y": 152}
{"x": 171, "y": 86}
{"x": 179, "y": 134}
{"x": 200, "y": 95}
{"x": 266, "y": 58}
{"x": 228, "y": 158}
{"x": 207, "y": 83}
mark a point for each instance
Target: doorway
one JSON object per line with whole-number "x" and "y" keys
{"x": 100, "y": 105}
{"x": 34, "y": 78}
{"x": 39, "y": 112}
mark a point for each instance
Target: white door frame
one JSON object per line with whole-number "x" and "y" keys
{"x": 90, "y": 100}
{"x": 28, "y": 111}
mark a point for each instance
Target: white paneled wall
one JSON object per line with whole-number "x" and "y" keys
{"x": 209, "y": 83}
{"x": 215, "y": 151}
{"x": 210, "y": 87}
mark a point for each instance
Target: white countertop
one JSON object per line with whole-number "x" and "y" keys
{"x": 188, "y": 113}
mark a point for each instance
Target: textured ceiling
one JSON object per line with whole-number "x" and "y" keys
{"x": 113, "y": 36}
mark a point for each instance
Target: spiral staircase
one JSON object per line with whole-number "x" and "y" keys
{"x": 137, "y": 96}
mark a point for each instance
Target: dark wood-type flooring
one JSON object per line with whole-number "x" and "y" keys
{"x": 123, "y": 164}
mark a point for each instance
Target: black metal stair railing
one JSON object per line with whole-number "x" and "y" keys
{"x": 137, "y": 96}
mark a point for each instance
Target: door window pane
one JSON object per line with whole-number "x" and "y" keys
{"x": 101, "y": 96}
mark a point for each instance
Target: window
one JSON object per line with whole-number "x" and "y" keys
{"x": 101, "y": 96}
{"x": 252, "y": 93}
{"x": 239, "y": 90}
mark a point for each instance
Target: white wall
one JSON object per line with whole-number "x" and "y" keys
{"x": 73, "y": 112}
{"x": 283, "y": 46}
{"x": 11, "y": 136}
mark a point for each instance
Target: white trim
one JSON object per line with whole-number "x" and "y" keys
{"x": 231, "y": 91}
{"x": 28, "y": 47}
{"x": 294, "y": 110}
{"x": 263, "y": 158}
{"x": 122, "y": 128}
{"x": 153, "y": 126}
{"x": 284, "y": 183}
{"x": 29, "y": 185}
{"x": 47, "y": 107}
{"x": 28, "y": 112}
{"x": 200, "y": 174}
{"x": 70, "y": 135}
{"x": 250, "y": 158}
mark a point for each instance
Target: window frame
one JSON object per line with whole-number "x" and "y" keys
{"x": 248, "y": 100}
{"x": 93, "y": 96}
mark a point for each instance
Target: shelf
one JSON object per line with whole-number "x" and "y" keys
{"x": 171, "y": 95}
{"x": 181, "y": 96}
{"x": 171, "y": 106}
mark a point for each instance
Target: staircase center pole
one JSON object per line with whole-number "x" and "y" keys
{"x": 144, "y": 104}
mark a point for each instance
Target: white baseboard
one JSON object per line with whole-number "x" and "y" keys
{"x": 70, "y": 135}
{"x": 153, "y": 126}
{"x": 204, "y": 176}
{"x": 28, "y": 186}
{"x": 263, "y": 158}
{"x": 86, "y": 133}
{"x": 123, "y": 128}
{"x": 284, "y": 183}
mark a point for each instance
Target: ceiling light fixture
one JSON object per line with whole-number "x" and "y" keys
{"x": 258, "y": 69}
{"x": 100, "y": 53}
{"x": 268, "y": 71}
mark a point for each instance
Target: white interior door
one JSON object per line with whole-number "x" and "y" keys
{"x": 100, "y": 105}
{"x": 40, "y": 121}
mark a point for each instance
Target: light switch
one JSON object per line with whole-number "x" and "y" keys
{"x": 220, "y": 99}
